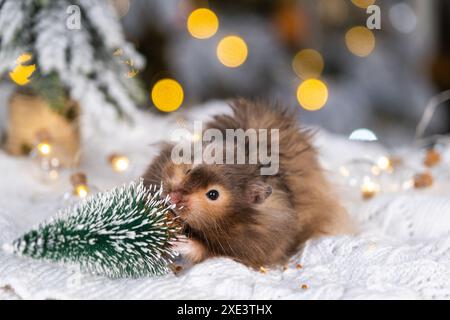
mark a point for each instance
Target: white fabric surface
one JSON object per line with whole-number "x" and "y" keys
{"x": 401, "y": 251}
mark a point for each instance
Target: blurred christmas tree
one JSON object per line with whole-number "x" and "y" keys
{"x": 67, "y": 58}
{"x": 78, "y": 50}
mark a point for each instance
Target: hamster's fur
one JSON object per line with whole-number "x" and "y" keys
{"x": 257, "y": 220}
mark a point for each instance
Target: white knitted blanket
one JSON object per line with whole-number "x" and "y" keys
{"x": 402, "y": 250}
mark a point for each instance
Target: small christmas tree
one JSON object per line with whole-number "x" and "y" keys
{"x": 125, "y": 232}
{"x": 79, "y": 51}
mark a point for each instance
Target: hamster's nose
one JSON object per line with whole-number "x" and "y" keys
{"x": 176, "y": 197}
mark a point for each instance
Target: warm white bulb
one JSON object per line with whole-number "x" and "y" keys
{"x": 81, "y": 191}
{"x": 120, "y": 163}
{"x": 44, "y": 148}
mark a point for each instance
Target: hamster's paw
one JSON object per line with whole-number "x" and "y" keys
{"x": 191, "y": 250}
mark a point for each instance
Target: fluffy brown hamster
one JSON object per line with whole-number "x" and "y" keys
{"x": 232, "y": 210}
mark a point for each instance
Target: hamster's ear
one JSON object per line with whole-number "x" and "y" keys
{"x": 258, "y": 192}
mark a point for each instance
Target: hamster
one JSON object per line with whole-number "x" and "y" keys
{"x": 232, "y": 210}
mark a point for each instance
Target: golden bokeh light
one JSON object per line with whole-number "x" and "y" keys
{"x": 312, "y": 94}
{"x": 202, "y": 23}
{"x": 363, "y": 3}
{"x": 167, "y": 95}
{"x": 308, "y": 64}
{"x": 360, "y": 41}
{"x": 232, "y": 51}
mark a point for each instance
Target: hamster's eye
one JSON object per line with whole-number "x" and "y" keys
{"x": 212, "y": 194}
{"x": 188, "y": 171}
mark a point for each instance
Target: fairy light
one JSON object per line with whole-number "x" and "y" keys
{"x": 80, "y": 185}
{"x": 369, "y": 188}
{"x": 385, "y": 164}
{"x": 51, "y": 166}
{"x": 360, "y": 41}
{"x": 376, "y": 170}
{"x": 312, "y": 94}
{"x": 202, "y": 23}
{"x": 43, "y": 144}
{"x": 232, "y": 51}
{"x": 344, "y": 172}
{"x": 363, "y": 175}
{"x": 53, "y": 174}
{"x": 81, "y": 191}
{"x": 432, "y": 158}
{"x": 423, "y": 180}
{"x": 44, "y": 148}
{"x": 400, "y": 176}
{"x": 119, "y": 163}
{"x": 408, "y": 184}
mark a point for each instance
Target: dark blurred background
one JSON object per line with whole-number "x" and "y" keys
{"x": 386, "y": 90}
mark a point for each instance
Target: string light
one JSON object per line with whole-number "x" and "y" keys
{"x": 423, "y": 180}
{"x": 308, "y": 64}
{"x": 232, "y": 51}
{"x": 385, "y": 164}
{"x": 394, "y": 174}
{"x": 360, "y": 41}
{"x": 80, "y": 186}
{"x": 312, "y": 94}
{"x": 167, "y": 95}
{"x": 81, "y": 191}
{"x": 369, "y": 189}
{"x": 46, "y": 165}
{"x": 119, "y": 163}
{"x": 44, "y": 148}
{"x": 432, "y": 158}
{"x": 363, "y": 175}
{"x": 202, "y": 23}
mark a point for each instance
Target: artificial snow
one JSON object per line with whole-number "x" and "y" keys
{"x": 402, "y": 250}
